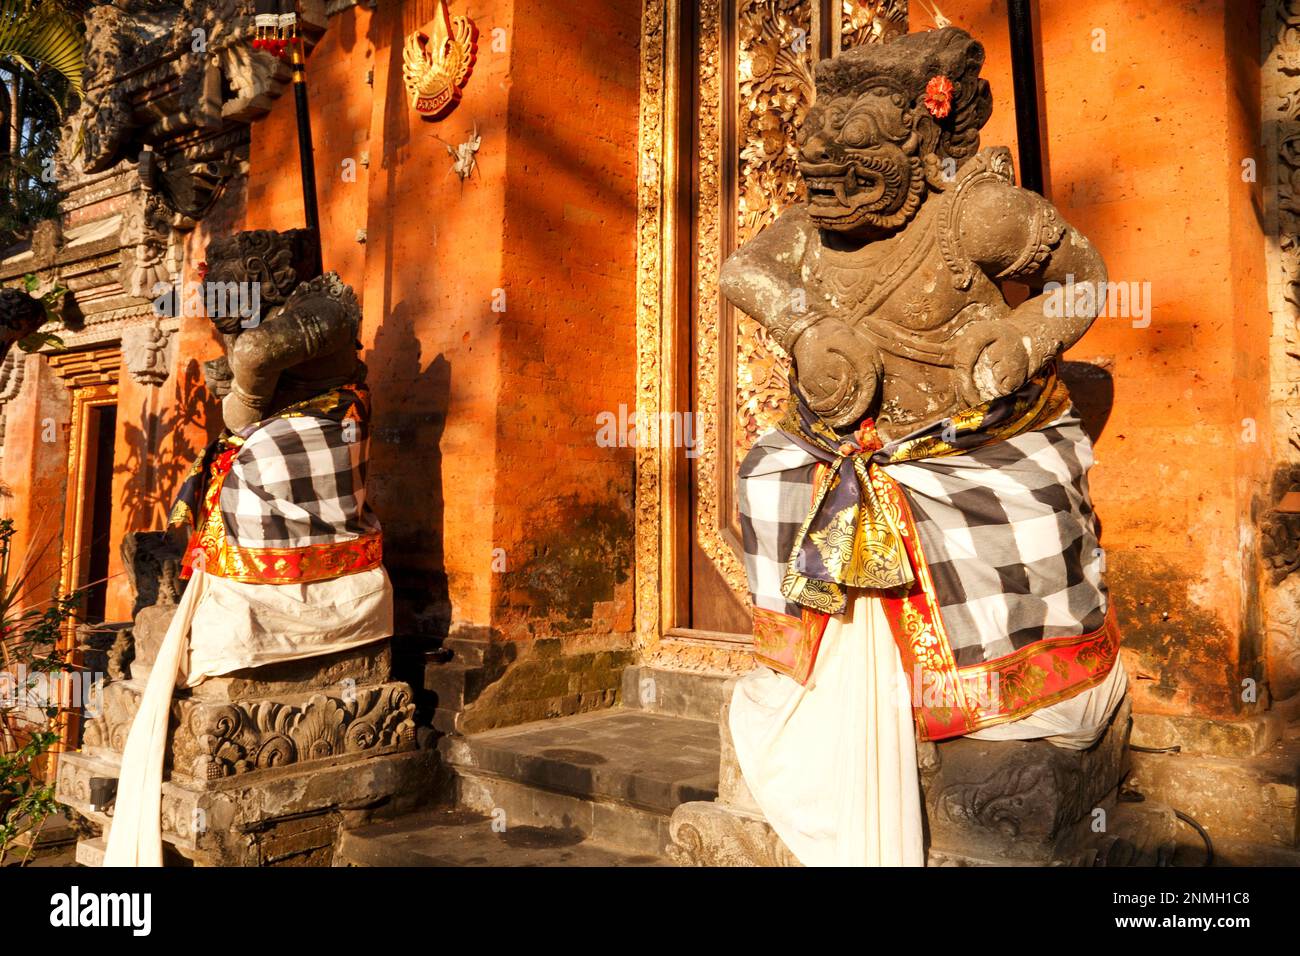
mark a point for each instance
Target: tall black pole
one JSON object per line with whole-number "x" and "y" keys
{"x": 1024, "y": 79}
{"x": 305, "y": 157}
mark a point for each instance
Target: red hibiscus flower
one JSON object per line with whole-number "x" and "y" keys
{"x": 938, "y": 96}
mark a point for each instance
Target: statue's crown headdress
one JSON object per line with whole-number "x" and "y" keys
{"x": 937, "y": 73}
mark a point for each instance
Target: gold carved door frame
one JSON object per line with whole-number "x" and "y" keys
{"x": 91, "y": 377}
{"x": 723, "y": 84}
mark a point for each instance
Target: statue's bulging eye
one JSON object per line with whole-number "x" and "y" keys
{"x": 812, "y": 124}
{"x": 857, "y": 132}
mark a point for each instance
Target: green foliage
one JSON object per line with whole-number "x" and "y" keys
{"x": 42, "y": 63}
{"x": 52, "y": 300}
{"x": 28, "y": 641}
{"x": 43, "y": 34}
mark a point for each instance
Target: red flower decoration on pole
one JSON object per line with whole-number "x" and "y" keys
{"x": 938, "y": 96}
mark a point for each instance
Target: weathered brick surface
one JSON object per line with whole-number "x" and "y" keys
{"x": 499, "y": 322}
{"x": 501, "y": 511}
{"x": 1145, "y": 143}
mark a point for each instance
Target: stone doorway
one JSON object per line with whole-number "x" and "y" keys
{"x": 90, "y": 498}
{"x": 91, "y": 378}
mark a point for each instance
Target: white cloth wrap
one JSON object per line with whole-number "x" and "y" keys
{"x": 833, "y": 765}
{"x": 222, "y": 626}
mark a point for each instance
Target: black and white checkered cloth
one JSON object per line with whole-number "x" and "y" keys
{"x": 298, "y": 481}
{"x": 1008, "y": 532}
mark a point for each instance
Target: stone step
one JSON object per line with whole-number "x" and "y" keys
{"x": 1247, "y": 737}
{"x": 463, "y": 838}
{"x": 1251, "y": 800}
{"x": 615, "y": 776}
{"x": 1236, "y": 853}
{"x": 697, "y": 695}
{"x": 90, "y": 852}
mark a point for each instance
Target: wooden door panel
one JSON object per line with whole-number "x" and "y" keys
{"x": 751, "y": 76}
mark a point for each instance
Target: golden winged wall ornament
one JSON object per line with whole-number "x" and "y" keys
{"x": 437, "y": 60}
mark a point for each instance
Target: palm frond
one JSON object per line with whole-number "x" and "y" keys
{"x": 45, "y": 34}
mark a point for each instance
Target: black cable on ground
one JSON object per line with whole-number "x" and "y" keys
{"x": 1209, "y": 844}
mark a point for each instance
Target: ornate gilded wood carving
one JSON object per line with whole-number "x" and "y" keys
{"x": 437, "y": 60}
{"x": 759, "y": 65}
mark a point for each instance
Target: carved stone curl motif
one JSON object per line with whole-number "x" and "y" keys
{"x": 240, "y": 737}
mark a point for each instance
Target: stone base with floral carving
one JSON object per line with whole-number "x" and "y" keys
{"x": 318, "y": 741}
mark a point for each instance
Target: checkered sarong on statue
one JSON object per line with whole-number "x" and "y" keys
{"x": 1008, "y": 532}
{"x": 297, "y": 481}
{"x": 976, "y": 535}
{"x": 283, "y": 501}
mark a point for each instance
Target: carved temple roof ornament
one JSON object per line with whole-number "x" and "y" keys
{"x": 146, "y": 351}
{"x": 161, "y": 132}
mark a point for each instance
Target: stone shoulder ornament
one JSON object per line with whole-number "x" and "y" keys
{"x": 886, "y": 285}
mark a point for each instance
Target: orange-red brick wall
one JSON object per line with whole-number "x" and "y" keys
{"x": 499, "y": 313}
{"x": 33, "y": 475}
{"x": 1145, "y": 142}
{"x": 568, "y": 346}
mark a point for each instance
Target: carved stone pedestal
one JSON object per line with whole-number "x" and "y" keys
{"x": 986, "y": 803}
{"x": 297, "y": 745}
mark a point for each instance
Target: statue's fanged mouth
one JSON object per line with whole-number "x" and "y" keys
{"x": 843, "y": 188}
{"x": 868, "y": 188}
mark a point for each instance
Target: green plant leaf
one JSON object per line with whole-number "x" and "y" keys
{"x": 44, "y": 33}
{"x": 38, "y": 340}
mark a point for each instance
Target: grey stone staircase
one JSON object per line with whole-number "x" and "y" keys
{"x": 463, "y": 838}
{"x": 617, "y": 787}
{"x": 595, "y": 789}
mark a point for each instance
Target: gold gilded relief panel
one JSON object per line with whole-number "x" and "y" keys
{"x": 756, "y": 87}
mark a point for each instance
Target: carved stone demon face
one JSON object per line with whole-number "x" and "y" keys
{"x": 859, "y": 157}
{"x": 275, "y": 262}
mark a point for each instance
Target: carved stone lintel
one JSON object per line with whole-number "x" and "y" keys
{"x": 246, "y": 736}
{"x": 213, "y": 740}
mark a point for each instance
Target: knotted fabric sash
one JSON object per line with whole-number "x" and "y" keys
{"x": 976, "y": 535}
{"x": 852, "y": 536}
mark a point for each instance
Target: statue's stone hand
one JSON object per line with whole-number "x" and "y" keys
{"x": 995, "y": 353}
{"x": 839, "y": 371}
{"x": 1001, "y": 368}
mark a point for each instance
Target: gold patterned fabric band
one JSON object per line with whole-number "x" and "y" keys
{"x": 852, "y": 536}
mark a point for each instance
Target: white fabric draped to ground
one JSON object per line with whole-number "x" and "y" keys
{"x": 833, "y": 765}
{"x": 222, "y": 626}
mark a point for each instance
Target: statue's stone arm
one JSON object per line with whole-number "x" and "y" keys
{"x": 838, "y": 370}
{"x": 1015, "y": 234}
{"x": 260, "y": 356}
{"x": 762, "y": 278}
